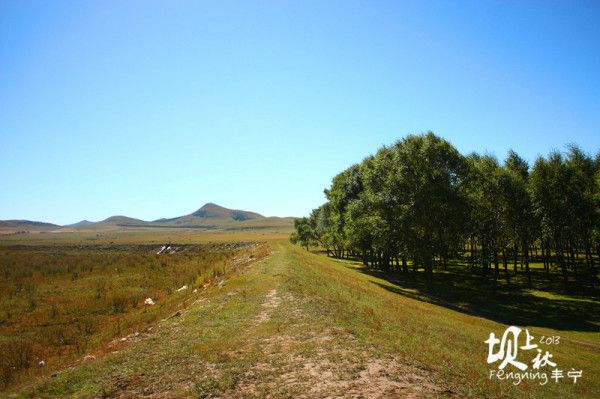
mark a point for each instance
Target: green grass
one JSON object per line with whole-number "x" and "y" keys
{"x": 451, "y": 341}
{"x": 545, "y": 305}
{"x": 331, "y": 316}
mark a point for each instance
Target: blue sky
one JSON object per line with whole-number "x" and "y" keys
{"x": 150, "y": 109}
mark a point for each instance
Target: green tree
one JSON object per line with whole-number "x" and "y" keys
{"x": 345, "y": 188}
{"x": 583, "y": 206}
{"x": 303, "y": 233}
{"x": 519, "y": 217}
{"x": 425, "y": 189}
{"x": 488, "y": 209}
{"x": 549, "y": 186}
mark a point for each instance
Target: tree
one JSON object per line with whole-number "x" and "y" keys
{"x": 583, "y": 206}
{"x": 426, "y": 190}
{"x": 303, "y": 233}
{"x": 420, "y": 199}
{"x": 518, "y": 210}
{"x": 345, "y": 188}
{"x": 386, "y": 217}
{"x": 549, "y": 185}
{"x": 486, "y": 184}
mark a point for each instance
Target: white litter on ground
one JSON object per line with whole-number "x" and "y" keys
{"x": 185, "y": 287}
{"x": 163, "y": 249}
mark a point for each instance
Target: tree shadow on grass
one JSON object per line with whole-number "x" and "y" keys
{"x": 460, "y": 289}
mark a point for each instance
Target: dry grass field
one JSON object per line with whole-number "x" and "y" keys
{"x": 266, "y": 319}
{"x": 60, "y": 302}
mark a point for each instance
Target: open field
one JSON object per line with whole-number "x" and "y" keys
{"x": 145, "y": 236}
{"x": 59, "y": 303}
{"x": 298, "y": 324}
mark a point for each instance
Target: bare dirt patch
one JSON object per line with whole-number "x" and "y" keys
{"x": 322, "y": 367}
{"x": 271, "y": 302}
{"x": 330, "y": 363}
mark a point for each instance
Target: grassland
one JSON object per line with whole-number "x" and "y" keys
{"x": 145, "y": 236}
{"x": 298, "y": 324}
{"x": 59, "y": 303}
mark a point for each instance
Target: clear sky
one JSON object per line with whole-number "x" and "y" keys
{"x": 151, "y": 108}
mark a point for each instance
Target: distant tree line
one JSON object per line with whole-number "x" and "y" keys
{"x": 419, "y": 203}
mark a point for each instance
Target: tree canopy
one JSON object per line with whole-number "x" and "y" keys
{"x": 421, "y": 202}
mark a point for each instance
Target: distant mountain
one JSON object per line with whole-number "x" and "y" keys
{"x": 27, "y": 223}
{"x": 210, "y": 216}
{"x": 80, "y": 224}
{"x": 120, "y": 220}
{"x": 12, "y": 226}
{"x": 214, "y": 211}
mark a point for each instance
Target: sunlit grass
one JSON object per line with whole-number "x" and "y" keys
{"x": 214, "y": 347}
{"x": 59, "y": 303}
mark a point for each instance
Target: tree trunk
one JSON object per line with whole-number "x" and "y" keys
{"x": 543, "y": 255}
{"x": 526, "y": 261}
{"x": 548, "y": 257}
{"x": 496, "y": 268}
{"x": 573, "y": 259}
{"x": 428, "y": 265}
{"x": 590, "y": 262}
{"x": 484, "y": 260}
{"x": 385, "y": 260}
{"x": 505, "y": 263}
{"x": 516, "y": 253}
{"x": 562, "y": 264}
{"x": 472, "y": 252}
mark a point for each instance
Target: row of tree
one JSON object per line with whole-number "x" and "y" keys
{"x": 420, "y": 202}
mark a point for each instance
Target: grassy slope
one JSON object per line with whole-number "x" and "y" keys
{"x": 329, "y": 316}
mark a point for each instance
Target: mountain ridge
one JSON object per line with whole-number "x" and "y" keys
{"x": 208, "y": 216}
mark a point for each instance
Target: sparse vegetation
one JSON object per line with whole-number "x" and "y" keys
{"x": 60, "y": 302}
{"x": 303, "y": 325}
